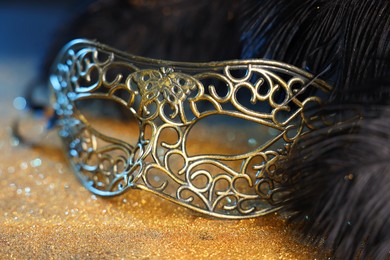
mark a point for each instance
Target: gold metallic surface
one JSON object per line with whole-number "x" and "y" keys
{"x": 45, "y": 213}
{"x": 173, "y": 97}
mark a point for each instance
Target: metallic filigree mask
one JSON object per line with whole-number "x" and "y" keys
{"x": 165, "y": 95}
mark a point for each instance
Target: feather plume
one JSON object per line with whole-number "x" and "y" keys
{"x": 338, "y": 192}
{"x": 340, "y": 174}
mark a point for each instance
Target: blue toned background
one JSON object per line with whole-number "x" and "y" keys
{"x": 26, "y": 31}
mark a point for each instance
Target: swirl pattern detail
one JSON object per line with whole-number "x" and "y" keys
{"x": 168, "y": 97}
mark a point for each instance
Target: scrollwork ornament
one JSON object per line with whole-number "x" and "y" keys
{"x": 164, "y": 96}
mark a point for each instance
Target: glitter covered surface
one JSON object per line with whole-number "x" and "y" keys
{"x": 46, "y": 212}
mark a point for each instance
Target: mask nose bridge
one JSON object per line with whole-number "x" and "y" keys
{"x": 147, "y": 94}
{"x": 158, "y": 87}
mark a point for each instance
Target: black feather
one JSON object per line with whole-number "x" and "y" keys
{"x": 351, "y": 36}
{"x": 340, "y": 187}
{"x": 339, "y": 174}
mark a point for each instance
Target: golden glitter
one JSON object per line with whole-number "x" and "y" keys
{"x": 50, "y": 215}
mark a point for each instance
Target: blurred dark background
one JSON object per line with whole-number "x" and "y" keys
{"x": 32, "y": 32}
{"x": 26, "y": 32}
